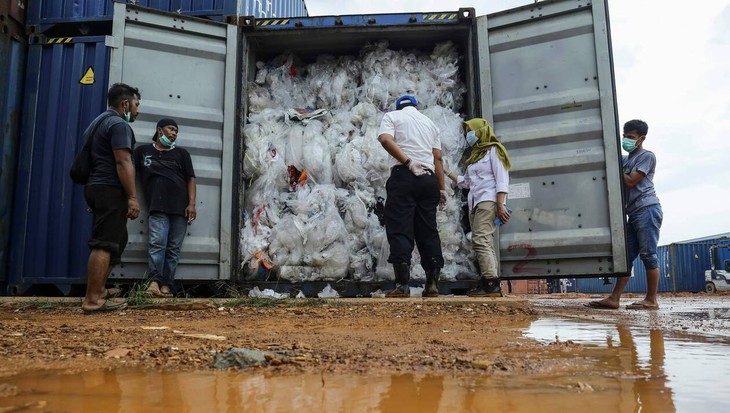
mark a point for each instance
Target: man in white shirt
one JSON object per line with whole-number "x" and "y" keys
{"x": 415, "y": 189}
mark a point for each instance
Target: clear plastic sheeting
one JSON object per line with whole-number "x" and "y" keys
{"x": 267, "y": 293}
{"x": 315, "y": 172}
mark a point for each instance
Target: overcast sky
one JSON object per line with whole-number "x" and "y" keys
{"x": 672, "y": 69}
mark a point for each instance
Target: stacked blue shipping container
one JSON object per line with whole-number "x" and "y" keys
{"x": 13, "y": 46}
{"x": 65, "y": 88}
{"x": 43, "y": 14}
{"x": 51, "y": 224}
{"x": 681, "y": 269}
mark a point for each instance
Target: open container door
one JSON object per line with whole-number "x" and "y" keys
{"x": 547, "y": 86}
{"x": 185, "y": 68}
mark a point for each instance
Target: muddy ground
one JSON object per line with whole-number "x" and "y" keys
{"x": 444, "y": 335}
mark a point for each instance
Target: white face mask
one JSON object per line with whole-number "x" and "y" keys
{"x": 166, "y": 141}
{"x": 471, "y": 138}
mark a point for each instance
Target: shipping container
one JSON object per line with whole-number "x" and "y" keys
{"x": 682, "y": 268}
{"x": 542, "y": 75}
{"x": 51, "y": 224}
{"x": 13, "y": 48}
{"x": 66, "y": 84}
{"x": 202, "y": 99}
{"x": 44, "y": 14}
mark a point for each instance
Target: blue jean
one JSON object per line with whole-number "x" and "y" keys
{"x": 643, "y": 235}
{"x": 166, "y": 233}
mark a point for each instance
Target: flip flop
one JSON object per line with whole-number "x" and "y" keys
{"x": 111, "y": 293}
{"x": 165, "y": 291}
{"x": 599, "y": 305}
{"x": 106, "y": 307}
{"x": 155, "y": 292}
{"x": 640, "y": 305}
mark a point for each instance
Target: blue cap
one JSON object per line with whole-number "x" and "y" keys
{"x": 405, "y": 100}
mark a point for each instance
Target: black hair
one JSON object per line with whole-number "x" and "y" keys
{"x": 403, "y": 104}
{"x": 120, "y": 92}
{"x": 638, "y": 125}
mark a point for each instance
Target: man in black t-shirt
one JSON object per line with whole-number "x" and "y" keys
{"x": 110, "y": 193}
{"x": 168, "y": 182}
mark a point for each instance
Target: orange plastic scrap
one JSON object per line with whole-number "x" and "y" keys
{"x": 262, "y": 259}
{"x": 303, "y": 178}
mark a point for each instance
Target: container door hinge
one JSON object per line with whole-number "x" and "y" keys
{"x": 247, "y": 22}
{"x": 113, "y": 42}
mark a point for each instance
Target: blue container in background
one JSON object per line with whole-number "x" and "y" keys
{"x": 682, "y": 268}
{"x": 12, "y": 78}
{"x": 66, "y": 85}
{"x": 43, "y": 14}
{"x": 687, "y": 266}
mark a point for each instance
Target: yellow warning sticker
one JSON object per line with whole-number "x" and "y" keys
{"x": 88, "y": 77}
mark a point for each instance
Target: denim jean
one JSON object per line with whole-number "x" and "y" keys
{"x": 166, "y": 233}
{"x": 643, "y": 235}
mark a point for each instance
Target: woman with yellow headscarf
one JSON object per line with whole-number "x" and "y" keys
{"x": 487, "y": 178}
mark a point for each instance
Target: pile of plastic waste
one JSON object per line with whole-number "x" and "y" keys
{"x": 315, "y": 171}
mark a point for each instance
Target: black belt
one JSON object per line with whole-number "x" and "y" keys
{"x": 428, "y": 170}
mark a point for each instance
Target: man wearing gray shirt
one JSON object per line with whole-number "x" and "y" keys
{"x": 644, "y": 217}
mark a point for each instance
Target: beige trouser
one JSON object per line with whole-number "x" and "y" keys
{"x": 482, "y": 237}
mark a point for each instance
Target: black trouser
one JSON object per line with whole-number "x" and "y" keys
{"x": 410, "y": 213}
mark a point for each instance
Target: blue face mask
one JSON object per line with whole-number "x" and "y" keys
{"x": 628, "y": 144}
{"x": 471, "y": 138}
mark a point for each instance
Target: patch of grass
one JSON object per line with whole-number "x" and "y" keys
{"x": 137, "y": 296}
{"x": 43, "y": 304}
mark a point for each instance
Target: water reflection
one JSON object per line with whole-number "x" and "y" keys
{"x": 654, "y": 373}
{"x": 616, "y": 369}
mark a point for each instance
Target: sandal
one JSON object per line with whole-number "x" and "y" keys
{"x": 154, "y": 290}
{"x": 111, "y": 293}
{"x": 106, "y": 307}
{"x": 642, "y": 305}
{"x": 165, "y": 291}
{"x": 600, "y": 305}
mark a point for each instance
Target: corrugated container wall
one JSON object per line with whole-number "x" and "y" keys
{"x": 12, "y": 55}
{"x": 50, "y": 222}
{"x": 681, "y": 269}
{"x": 44, "y": 13}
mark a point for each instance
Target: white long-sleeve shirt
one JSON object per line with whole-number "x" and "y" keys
{"x": 484, "y": 179}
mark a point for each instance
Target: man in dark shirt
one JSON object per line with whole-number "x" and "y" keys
{"x": 168, "y": 182}
{"x": 110, "y": 192}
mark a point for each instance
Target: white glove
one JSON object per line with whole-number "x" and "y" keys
{"x": 444, "y": 198}
{"x": 417, "y": 168}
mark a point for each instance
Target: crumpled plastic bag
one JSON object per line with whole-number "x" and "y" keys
{"x": 328, "y": 292}
{"x": 267, "y": 293}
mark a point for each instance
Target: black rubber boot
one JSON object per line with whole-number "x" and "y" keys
{"x": 489, "y": 287}
{"x": 402, "y": 277}
{"x": 432, "y": 283}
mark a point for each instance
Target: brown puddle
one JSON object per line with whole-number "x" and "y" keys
{"x": 592, "y": 367}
